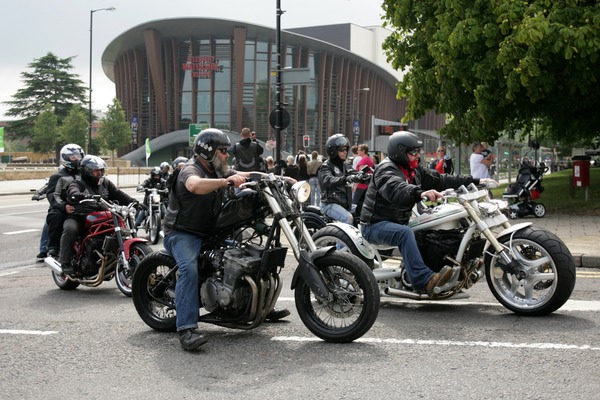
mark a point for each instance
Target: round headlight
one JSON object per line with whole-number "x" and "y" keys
{"x": 301, "y": 191}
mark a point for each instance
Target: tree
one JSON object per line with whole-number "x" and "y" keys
{"x": 497, "y": 66}
{"x": 45, "y": 131}
{"x": 75, "y": 127}
{"x": 115, "y": 132}
{"x": 50, "y": 82}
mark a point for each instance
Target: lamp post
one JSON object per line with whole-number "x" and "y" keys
{"x": 356, "y": 125}
{"x": 89, "y": 144}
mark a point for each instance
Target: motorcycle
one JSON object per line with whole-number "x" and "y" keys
{"x": 108, "y": 248}
{"x": 530, "y": 271}
{"x": 152, "y": 224}
{"x": 336, "y": 296}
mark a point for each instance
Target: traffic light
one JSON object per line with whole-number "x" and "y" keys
{"x": 306, "y": 141}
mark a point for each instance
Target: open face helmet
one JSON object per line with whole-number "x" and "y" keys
{"x": 209, "y": 141}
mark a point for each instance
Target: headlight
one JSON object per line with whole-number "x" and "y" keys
{"x": 301, "y": 191}
{"x": 156, "y": 198}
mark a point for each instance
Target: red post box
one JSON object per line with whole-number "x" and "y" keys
{"x": 581, "y": 171}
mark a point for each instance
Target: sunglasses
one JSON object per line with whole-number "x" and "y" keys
{"x": 414, "y": 152}
{"x": 223, "y": 151}
{"x": 342, "y": 149}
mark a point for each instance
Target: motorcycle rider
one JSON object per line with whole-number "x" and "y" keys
{"x": 155, "y": 181}
{"x": 397, "y": 184}
{"x": 164, "y": 168}
{"x": 92, "y": 182}
{"x": 334, "y": 178}
{"x": 70, "y": 158}
{"x": 195, "y": 197}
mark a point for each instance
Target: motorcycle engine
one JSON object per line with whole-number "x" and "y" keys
{"x": 226, "y": 288}
{"x": 89, "y": 261}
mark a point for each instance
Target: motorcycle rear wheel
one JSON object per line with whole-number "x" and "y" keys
{"x": 124, "y": 277}
{"x": 549, "y": 273}
{"x": 355, "y": 303}
{"x": 153, "y": 291}
{"x": 63, "y": 282}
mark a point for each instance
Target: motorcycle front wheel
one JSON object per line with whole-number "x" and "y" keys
{"x": 153, "y": 291}
{"x": 355, "y": 303}
{"x": 154, "y": 228}
{"x": 546, "y": 265}
{"x": 124, "y": 276}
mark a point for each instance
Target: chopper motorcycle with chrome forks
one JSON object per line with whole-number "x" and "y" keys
{"x": 529, "y": 270}
{"x": 335, "y": 293}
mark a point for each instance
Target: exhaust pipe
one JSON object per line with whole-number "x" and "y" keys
{"x": 53, "y": 265}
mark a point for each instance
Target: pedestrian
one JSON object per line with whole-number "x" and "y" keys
{"x": 302, "y": 168}
{"x": 247, "y": 152}
{"x": 312, "y": 167}
{"x": 291, "y": 169}
{"x": 478, "y": 163}
{"x": 443, "y": 164}
{"x": 365, "y": 165}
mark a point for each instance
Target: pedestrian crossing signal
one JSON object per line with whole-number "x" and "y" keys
{"x": 306, "y": 141}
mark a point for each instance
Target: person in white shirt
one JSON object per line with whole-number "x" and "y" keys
{"x": 480, "y": 165}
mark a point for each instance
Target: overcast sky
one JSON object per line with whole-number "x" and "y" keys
{"x": 31, "y": 28}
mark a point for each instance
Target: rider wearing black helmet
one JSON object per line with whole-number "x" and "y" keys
{"x": 335, "y": 181}
{"x": 154, "y": 181}
{"x": 397, "y": 184}
{"x": 92, "y": 182}
{"x": 70, "y": 158}
{"x": 195, "y": 197}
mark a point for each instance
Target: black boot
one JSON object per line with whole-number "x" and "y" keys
{"x": 277, "y": 314}
{"x": 68, "y": 269}
{"x": 191, "y": 339}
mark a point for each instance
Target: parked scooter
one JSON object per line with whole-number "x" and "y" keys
{"x": 529, "y": 270}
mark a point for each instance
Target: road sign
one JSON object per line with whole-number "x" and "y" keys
{"x": 196, "y": 129}
{"x": 285, "y": 119}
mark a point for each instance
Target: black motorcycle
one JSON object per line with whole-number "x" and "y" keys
{"x": 336, "y": 295}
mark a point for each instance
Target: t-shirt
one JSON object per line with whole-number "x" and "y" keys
{"x": 478, "y": 170}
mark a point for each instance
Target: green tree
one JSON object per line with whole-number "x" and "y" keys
{"x": 115, "y": 132}
{"x": 50, "y": 82}
{"x": 75, "y": 127}
{"x": 45, "y": 131}
{"x": 499, "y": 65}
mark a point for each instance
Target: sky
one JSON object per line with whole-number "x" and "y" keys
{"x": 31, "y": 28}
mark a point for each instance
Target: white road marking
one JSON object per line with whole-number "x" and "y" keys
{"x": 9, "y": 273}
{"x": 542, "y": 346}
{"x": 24, "y": 332}
{"x": 19, "y": 232}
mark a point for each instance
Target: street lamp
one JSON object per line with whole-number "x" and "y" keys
{"x": 356, "y": 126}
{"x": 89, "y": 144}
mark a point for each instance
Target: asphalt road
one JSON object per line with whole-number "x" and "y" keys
{"x": 90, "y": 343}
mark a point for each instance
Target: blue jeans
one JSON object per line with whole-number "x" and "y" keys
{"x": 315, "y": 191}
{"x": 185, "y": 248}
{"x": 44, "y": 239}
{"x": 394, "y": 234}
{"x": 336, "y": 212}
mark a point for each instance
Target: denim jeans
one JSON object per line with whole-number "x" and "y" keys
{"x": 394, "y": 234}
{"x": 185, "y": 248}
{"x": 336, "y": 212}
{"x": 315, "y": 191}
{"x": 44, "y": 239}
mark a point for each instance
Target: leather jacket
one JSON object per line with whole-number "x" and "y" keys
{"x": 332, "y": 178}
{"x": 391, "y": 195}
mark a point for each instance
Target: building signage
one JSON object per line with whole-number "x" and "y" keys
{"x": 202, "y": 66}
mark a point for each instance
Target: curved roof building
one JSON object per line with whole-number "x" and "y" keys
{"x": 176, "y": 72}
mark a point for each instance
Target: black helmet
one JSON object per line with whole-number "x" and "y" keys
{"x": 71, "y": 155}
{"x": 156, "y": 172}
{"x": 334, "y": 143}
{"x": 89, "y": 164}
{"x": 178, "y": 161}
{"x": 401, "y": 142}
{"x": 208, "y": 141}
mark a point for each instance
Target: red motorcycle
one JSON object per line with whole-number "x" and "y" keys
{"x": 108, "y": 248}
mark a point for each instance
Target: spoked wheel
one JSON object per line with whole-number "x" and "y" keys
{"x": 153, "y": 291}
{"x": 539, "y": 210}
{"x": 333, "y": 236}
{"x": 546, "y": 274}
{"x": 154, "y": 228}
{"x": 123, "y": 275}
{"x": 355, "y": 303}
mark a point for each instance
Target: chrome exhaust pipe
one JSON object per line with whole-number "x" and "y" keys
{"x": 406, "y": 294}
{"x": 53, "y": 265}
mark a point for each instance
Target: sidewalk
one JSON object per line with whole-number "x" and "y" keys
{"x": 581, "y": 234}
